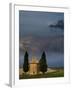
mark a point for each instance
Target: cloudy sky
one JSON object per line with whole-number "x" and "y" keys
{"x": 37, "y": 23}
{"x": 36, "y": 34}
{"x": 35, "y": 30}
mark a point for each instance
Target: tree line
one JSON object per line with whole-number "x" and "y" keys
{"x": 42, "y": 63}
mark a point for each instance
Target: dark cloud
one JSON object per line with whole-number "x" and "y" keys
{"x": 36, "y": 33}
{"x": 58, "y": 24}
{"x": 36, "y": 23}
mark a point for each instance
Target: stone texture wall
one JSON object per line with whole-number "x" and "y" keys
{"x": 33, "y": 68}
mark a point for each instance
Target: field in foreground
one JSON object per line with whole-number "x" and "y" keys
{"x": 56, "y": 72}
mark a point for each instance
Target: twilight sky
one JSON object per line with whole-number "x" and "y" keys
{"x": 37, "y": 23}
{"x": 35, "y": 32}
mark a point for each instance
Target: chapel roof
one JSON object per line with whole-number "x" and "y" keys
{"x": 34, "y": 60}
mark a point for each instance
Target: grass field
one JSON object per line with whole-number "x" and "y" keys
{"x": 58, "y": 72}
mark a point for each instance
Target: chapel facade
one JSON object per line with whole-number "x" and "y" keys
{"x": 33, "y": 66}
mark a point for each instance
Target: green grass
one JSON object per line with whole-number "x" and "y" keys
{"x": 57, "y": 73}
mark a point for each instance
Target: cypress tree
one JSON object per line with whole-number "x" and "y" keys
{"x": 42, "y": 63}
{"x": 26, "y": 63}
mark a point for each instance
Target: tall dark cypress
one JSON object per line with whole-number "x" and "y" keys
{"x": 26, "y": 63}
{"x": 42, "y": 63}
